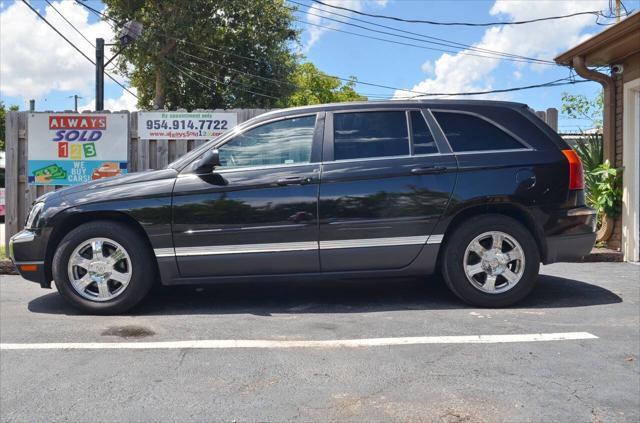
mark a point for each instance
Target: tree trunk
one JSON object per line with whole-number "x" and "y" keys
{"x": 159, "y": 98}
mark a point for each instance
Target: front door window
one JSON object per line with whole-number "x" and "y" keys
{"x": 282, "y": 142}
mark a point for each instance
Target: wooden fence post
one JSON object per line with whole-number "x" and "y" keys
{"x": 11, "y": 175}
{"x": 552, "y": 118}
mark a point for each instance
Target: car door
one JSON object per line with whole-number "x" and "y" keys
{"x": 257, "y": 212}
{"x": 385, "y": 183}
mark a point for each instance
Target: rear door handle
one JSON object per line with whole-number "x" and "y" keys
{"x": 296, "y": 180}
{"x": 427, "y": 170}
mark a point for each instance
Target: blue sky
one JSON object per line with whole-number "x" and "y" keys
{"x": 36, "y": 63}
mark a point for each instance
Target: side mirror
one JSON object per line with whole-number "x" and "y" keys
{"x": 208, "y": 162}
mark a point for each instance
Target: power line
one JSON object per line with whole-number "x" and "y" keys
{"x": 443, "y": 41}
{"x": 182, "y": 70}
{"x": 76, "y": 47}
{"x": 277, "y": 81}
{"x": 419, "y": 94}
{"x": 496, "y": 55}
{"x": 99, "y": 14}
{"x": 258, "y": 61}
{"x": 412, "y": 45}
{"x": 202, "y": 84}
{"x": 395, "y": 18}
{"x": 558, "y": 82}
{"x": 95, "y": 11}
{"x": 72, "y": 25}
{"x": 555, "y": 83}
{"x": 231, "y": 81}
{"x": 113, "y": 67}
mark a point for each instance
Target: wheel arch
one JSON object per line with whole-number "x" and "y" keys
{"x": 71, "y": 221}
{"x": 514, "y": 211}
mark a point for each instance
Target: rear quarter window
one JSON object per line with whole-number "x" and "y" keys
{"x": 467, "y": 132}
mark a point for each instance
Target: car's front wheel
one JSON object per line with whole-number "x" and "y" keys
{"x": 491, "y": 261}
{"x": 103, "y": 267}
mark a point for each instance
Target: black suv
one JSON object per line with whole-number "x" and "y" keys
{"x": 480, "y": 191}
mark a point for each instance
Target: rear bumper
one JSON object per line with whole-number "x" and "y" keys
{"x": 576, "y": 238}
{"x": 569, "y": 247}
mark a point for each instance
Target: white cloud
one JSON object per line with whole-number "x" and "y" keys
{"x": 35, "y": 60}
{"x": 542, "y": 40}
{"x": 427, "y": 67}
{"x": 517, "y": 75}
{"x": 316, "y": 32}
{"x": 125, "y": 102}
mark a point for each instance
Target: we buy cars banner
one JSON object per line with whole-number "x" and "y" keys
{"x": 70, "y": 149}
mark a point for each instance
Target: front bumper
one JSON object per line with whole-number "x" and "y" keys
{"x": 576, "y": 238}
{"x": 21, "y": 249}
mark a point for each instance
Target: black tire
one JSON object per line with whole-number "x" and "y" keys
{"x": 452, "y": 265}
{"x": 143, "y": 271}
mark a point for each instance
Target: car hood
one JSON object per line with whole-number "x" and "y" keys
{"x": 116, "y": 181}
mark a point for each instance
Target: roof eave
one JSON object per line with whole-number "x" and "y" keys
{"x": 625, "y": 28}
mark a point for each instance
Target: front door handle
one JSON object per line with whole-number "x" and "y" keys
{"x": 427, "y": 170}
{"x": 296, "y": 180}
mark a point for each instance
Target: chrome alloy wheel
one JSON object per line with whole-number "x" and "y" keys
{"x": 494, "y": 262}
{"x": 99, "y": 269}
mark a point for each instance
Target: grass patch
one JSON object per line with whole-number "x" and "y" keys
{"x": 3, "y": 256}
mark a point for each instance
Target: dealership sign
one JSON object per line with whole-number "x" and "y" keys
{"x": 70, "y": 149}
{"x": 183, "y": 125}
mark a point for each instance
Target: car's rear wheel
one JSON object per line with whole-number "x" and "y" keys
{"x": 103, "y": 267}
{"x": 491, "y": 261}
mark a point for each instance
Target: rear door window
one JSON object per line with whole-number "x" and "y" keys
{"x": 471, "y": 133}
{"x": 361, "y": 135}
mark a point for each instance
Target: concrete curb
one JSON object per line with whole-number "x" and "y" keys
{"x": 603, "y": 255}
{"x": 7, "y": 268}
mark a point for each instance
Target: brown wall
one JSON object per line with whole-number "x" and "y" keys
{"x": 615, "y": 242}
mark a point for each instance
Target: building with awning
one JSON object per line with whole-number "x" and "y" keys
{"x": 618, "y": 48}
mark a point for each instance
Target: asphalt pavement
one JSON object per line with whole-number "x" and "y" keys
{"x": 446, "y": 372}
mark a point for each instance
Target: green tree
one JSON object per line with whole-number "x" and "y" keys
{"x": 315, "y": 87}
{"x": 2, "y": 124}
{"x": 189, "y": 54}
{"x": 578, "y": 106}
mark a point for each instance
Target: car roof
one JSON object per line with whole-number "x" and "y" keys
{"x": 390, "y": 104}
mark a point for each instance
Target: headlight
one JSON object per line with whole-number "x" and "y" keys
{"x": 34, "y": 214}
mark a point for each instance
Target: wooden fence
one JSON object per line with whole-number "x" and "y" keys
{"x": 142, "y": 154}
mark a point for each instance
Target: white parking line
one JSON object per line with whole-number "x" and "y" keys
{"x": 337, "y": 343}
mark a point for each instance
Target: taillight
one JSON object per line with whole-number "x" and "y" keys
{"x": 576, "y": 174}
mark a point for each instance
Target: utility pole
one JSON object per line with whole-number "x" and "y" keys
{"x": 75, "y": 98}
{"x": 130, "y": 32}
{"x": 99, "y": 75}
{"x": 618, "y": 10}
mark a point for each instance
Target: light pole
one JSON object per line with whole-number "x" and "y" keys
{"x": 130, "y": 32}
{"x": 100, "y": 74}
